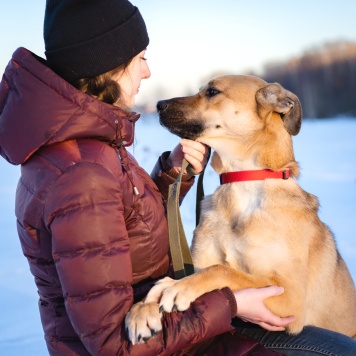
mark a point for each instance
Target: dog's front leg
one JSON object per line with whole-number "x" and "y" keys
{"x": 183, "y": 292}
{"x": 180, "y": 294}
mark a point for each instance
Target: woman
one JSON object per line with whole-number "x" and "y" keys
{"x": 90, "y": 220}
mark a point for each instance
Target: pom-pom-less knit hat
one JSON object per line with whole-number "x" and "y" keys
{"x": 87, "y": 38}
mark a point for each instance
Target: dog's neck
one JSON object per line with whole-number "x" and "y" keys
{"x": 227, "y": 162}
{"x": 230, "y": 159}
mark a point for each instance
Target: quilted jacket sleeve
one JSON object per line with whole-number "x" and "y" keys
{"x": 163, "y": 180}
{"x": 85, "y": 214}
{"x": 91, "y": 251}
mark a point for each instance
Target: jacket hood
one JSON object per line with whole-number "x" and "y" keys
{"x": 38, "y": 108}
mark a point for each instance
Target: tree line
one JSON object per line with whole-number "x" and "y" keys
{"x": 324, "y": 79}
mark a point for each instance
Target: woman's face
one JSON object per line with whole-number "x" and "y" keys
{"x": 129, "y": 80}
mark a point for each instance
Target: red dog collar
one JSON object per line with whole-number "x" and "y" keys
{"x": 261, "y": 174}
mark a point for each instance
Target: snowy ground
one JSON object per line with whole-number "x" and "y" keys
{"x": 325, "y": 149}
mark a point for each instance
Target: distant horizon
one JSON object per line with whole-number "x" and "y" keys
{"x": 331, "y": 63}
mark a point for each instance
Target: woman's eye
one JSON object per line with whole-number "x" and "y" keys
{"x": 212, "y": 92}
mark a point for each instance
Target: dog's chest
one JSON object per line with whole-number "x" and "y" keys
{"x": 237, "y": 201}
{"x": 254, "y": 254}
{"x": 230, "y": 234}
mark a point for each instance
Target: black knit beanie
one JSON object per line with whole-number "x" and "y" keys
{"x": 85, "y": 38}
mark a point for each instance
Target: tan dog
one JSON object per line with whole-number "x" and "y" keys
{"x": 254, "y": 233}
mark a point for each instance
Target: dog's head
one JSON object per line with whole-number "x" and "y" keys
{"x": 239, "y": 114}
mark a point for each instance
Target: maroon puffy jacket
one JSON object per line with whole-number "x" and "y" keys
{"x": 93, "y": 246}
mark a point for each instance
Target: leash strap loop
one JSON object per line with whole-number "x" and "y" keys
{"x": 180, "y": 252}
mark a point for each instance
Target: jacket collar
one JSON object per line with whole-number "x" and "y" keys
{"x": 38, "y": 108}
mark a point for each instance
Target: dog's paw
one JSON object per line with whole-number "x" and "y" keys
{"x": 177, "y": 296}
{"x": 155, "y": 293}
{"x": 173, "y": 295}
{"x": 142, "y": 322}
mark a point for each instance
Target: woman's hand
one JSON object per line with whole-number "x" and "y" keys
{"x": 251, "y": 308}
{"x": 194, "y": 152}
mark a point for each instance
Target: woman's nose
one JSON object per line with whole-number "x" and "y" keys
{"x": 146, "y": 73}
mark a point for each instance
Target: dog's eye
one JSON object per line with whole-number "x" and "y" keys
{"x": 211, "y": 92}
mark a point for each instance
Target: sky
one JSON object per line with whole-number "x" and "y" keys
{"x": 191, "y": 40}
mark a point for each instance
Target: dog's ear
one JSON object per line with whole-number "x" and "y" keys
{"x": 273, "y": 97}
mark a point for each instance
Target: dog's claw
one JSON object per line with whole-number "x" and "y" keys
{"x": 175, "y": 308}
{"x": 139, "y": 337}
{"x": 160, "y": 308}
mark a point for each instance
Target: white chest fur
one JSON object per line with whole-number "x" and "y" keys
{"x": 228, "y": 234}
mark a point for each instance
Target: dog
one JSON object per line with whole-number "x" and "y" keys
{"x": 254, "y": 233}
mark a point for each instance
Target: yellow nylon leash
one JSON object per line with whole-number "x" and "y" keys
{"x": 180, "y": 252}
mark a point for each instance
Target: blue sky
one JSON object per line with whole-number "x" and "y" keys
{"x": 190, "y": 40}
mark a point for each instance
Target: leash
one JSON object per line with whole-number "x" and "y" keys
{"x": 180, "y": 251}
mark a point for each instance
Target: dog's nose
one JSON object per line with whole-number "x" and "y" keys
{"x": 162, "y": 105}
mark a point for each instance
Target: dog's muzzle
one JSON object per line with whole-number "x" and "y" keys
{"x": 173, "y": 117}
{"x": 162, "y": 105}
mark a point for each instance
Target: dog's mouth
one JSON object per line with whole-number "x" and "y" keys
{"x": 177, "y": 123}
{"x": 190, "y": 130}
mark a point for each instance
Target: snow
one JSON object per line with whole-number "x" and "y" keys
{"x": 325, "y": 149}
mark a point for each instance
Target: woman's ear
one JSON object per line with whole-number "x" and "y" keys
{"x": 273, "y": 97}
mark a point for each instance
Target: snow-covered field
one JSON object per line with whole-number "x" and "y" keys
{"x": 325, "y": 149}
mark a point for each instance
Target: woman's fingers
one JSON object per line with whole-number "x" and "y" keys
{"x": 251, "y": 307}
{"x": 195, "y": 153}
{"x": 274, "y": 320}
{"x": 271, "y": 327}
